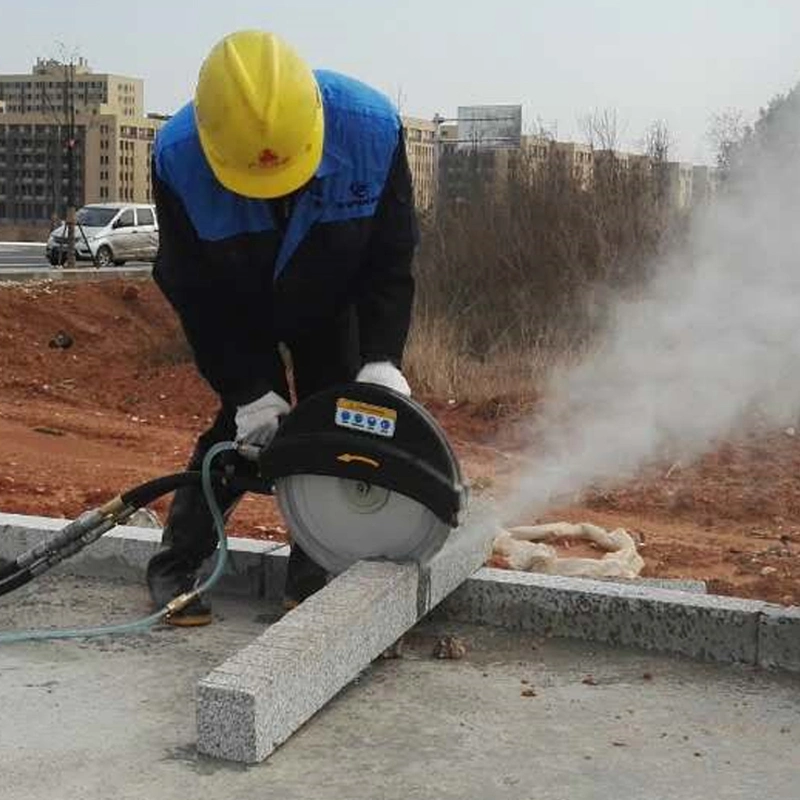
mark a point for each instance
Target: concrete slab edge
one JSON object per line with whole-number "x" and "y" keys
{"x": 704, "y": 627}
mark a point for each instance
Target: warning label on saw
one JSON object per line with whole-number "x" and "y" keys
{"x": 376, "y": 420}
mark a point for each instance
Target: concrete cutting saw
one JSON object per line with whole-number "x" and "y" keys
{"x": 363, "y": 472}
{"x": 359, "y": 472}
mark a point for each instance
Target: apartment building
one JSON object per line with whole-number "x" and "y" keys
{"x": 467, "y": 171}
{"x": 705, "y": 183}
{"x": 420, "y": 136}
{"x": 112, "y": 142}
{"x": 679, "y": 179}
{"x": 448, "y": 134}
{"x": 577, "y": 159}
{"x": 536, "y": 151}
{"x": 473, "y": 172}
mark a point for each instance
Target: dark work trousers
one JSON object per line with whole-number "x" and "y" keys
{"x": 321, "y": 358}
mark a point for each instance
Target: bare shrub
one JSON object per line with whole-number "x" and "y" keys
{"x": 440, "y": 365}
{"x": 169, "y": 351}
{"x": 513, "y": 279}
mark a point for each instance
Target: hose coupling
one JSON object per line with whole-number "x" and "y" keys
{"x": 179, "y": 603}
{"x": 115, "y": 509}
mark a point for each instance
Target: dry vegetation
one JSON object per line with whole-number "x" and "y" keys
{"x": 510, "y": 284}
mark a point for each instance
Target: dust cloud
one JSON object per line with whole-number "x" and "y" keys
{"x": 712, "y": 346}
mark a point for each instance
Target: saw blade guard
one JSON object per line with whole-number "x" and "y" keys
{"x": 362, "y": 471}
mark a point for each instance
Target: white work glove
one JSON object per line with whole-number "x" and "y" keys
{"x": 384, "y": 373}
{"x": 257, "y": 422}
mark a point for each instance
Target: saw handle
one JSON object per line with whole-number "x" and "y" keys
{"x": 249, "y": 452}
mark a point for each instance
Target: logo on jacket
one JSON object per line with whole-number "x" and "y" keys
{"x": 360, "y": 194}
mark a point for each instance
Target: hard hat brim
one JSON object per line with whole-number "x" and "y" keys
{"x": 276, "y": 182}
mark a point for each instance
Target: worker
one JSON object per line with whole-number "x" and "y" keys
{"x": 286, "y": 223}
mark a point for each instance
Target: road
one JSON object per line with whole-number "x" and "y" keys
{"x": 517, "y": 718}
{"x": 21, "y": 261}
{"x": 22, "y": 256}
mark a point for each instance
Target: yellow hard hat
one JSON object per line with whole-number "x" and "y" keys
{"x": 259, "y": 115}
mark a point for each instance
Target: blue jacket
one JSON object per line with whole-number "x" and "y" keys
{"x": 265, "y": 274}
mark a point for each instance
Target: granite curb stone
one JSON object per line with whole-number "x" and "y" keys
{"x": 779, "y": 638}
{"x": 551, "y": 605}
{"x": 705, "y": 627}
{"x": 258, "y": 698}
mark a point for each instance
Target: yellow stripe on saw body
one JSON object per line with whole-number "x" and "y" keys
{"x": 357, "y": 406}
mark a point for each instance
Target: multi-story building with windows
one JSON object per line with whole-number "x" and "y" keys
{"x": 578, "y": 160}
{"x": 112, "y": 141}
{"x": 705, "y": 184}
{"x": 679, "y": 179}
{"x": 420, "y": 136}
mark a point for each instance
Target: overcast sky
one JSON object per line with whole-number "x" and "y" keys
{"x": 675, "y": 60}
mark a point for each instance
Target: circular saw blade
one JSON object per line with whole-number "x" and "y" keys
{"x": 338, "y": 521}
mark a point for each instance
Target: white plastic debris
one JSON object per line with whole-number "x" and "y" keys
{"x": 522, "y": 548}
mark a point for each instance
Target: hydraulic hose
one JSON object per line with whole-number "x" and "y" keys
{"x": 51, "y": 556}
{"x": 91, "y": 525}
{"x": 147, "y": 492}
{"x": 145, "y": 623}
{"x": 85, "y": 522}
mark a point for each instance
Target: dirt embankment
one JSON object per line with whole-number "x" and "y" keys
{"x": 121, "y": 404}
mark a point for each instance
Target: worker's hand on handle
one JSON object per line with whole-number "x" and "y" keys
{"x": 257, "y": 422}
{"x": 386, "y": 374}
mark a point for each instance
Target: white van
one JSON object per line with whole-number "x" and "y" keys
{"x": 108, "y": 234}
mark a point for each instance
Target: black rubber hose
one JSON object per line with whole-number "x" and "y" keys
{"x": 13, "y": 575}
{"x": 51, "y": 557}
{"x": 16, "y": 580}
{"x": 8, "y": 569}
{"x": 68, "y": 533}
{"x": 89, "y": 521}
{"x": 147, "y": 492}
{"x": 151, "y": 490}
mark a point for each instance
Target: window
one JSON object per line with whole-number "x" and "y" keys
{"x": 125, "y": 219}
{"x": 96, "y": 217}
{"x": 145, "y": 216}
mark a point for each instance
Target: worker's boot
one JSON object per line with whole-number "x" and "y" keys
{"x": 189, "y": 539}
{"x": 169, "y": 576}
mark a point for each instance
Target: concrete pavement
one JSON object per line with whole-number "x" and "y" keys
{"x": 115, "y": 718}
